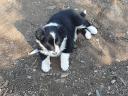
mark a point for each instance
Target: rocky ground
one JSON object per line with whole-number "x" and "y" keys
{"x": 98, "y": 67}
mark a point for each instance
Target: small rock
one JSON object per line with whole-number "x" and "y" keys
{"x": 118, "y": 60}
{"x": 97, "y": 40}
{"x": 108, "y": 92}
{"x": 95, "y": 71}
{"x": 89, "y": 93}
{"x": 60, "y": 80}
{"x": 82, "y": 61}
{"x": 64, "y": 75}
{"x": 113, "y": 81}
{"x": 0, "y": 91}
{"x": 29, "y": 77}
{"x": 34, "y": 70}
{"x": 103, "y": 77}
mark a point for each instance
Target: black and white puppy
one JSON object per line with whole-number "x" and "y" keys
{"x": 57, "y": 37}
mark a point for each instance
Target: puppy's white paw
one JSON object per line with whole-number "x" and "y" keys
{"x": 65, "y": 66}
{"x": 65, "y": 61}
{"x": 45, "y": 66}
{"x": 88, "y": 35}
{"x": 92, "y": 29}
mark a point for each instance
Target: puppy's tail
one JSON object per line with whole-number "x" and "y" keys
{"x": 83, "y": 13}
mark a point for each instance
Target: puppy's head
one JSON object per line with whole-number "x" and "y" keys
{"x": 49, "y": 39}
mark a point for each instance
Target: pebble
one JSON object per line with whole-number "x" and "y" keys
{"x": 95, "y": 71}
{"x": 29, "y": 77}
{"x": 118, "y": 60}
{"x": 82, "y": 61}
{"x": 103, "y": 77}
{"x": 89, "y": 93}
{"x": 60, "y": 80}
{"x": 109, "y": 87}
{"x": 97, "y": 40}
{"x": 63, "y": 75}
{"x": 113, "y": 81}
{"x": 0, "y": 90}
{"x": 34, "y": 70}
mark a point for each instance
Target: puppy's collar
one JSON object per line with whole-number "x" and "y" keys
{"x": 51, "y": 24}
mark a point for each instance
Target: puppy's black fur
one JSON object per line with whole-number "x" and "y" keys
{"x": 67, "y": 21}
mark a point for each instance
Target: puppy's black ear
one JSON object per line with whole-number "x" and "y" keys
{"x": 39, "y": 34}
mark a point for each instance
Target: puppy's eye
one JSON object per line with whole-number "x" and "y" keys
{"x": 50, "y": 41}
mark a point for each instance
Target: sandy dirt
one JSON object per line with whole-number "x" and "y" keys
{"x": 98, "y": 67}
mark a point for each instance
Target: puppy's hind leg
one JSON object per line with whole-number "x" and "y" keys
{"x": 90, "y": 27}
{"x": 86, "y": 33}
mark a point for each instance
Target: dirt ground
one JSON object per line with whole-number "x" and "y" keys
{"x": 98, "y": 67}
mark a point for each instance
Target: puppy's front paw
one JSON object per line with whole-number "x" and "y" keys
{"x": 45, "y": 65}
{"x": 65, "y": 61}
{"x": 65, "y": 66}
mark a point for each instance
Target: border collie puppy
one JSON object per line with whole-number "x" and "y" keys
{"x": 57, "y": 37}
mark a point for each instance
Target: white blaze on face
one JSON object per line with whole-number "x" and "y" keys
{"x": 53, "y": 35}
{"x": 57, "y": 49}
